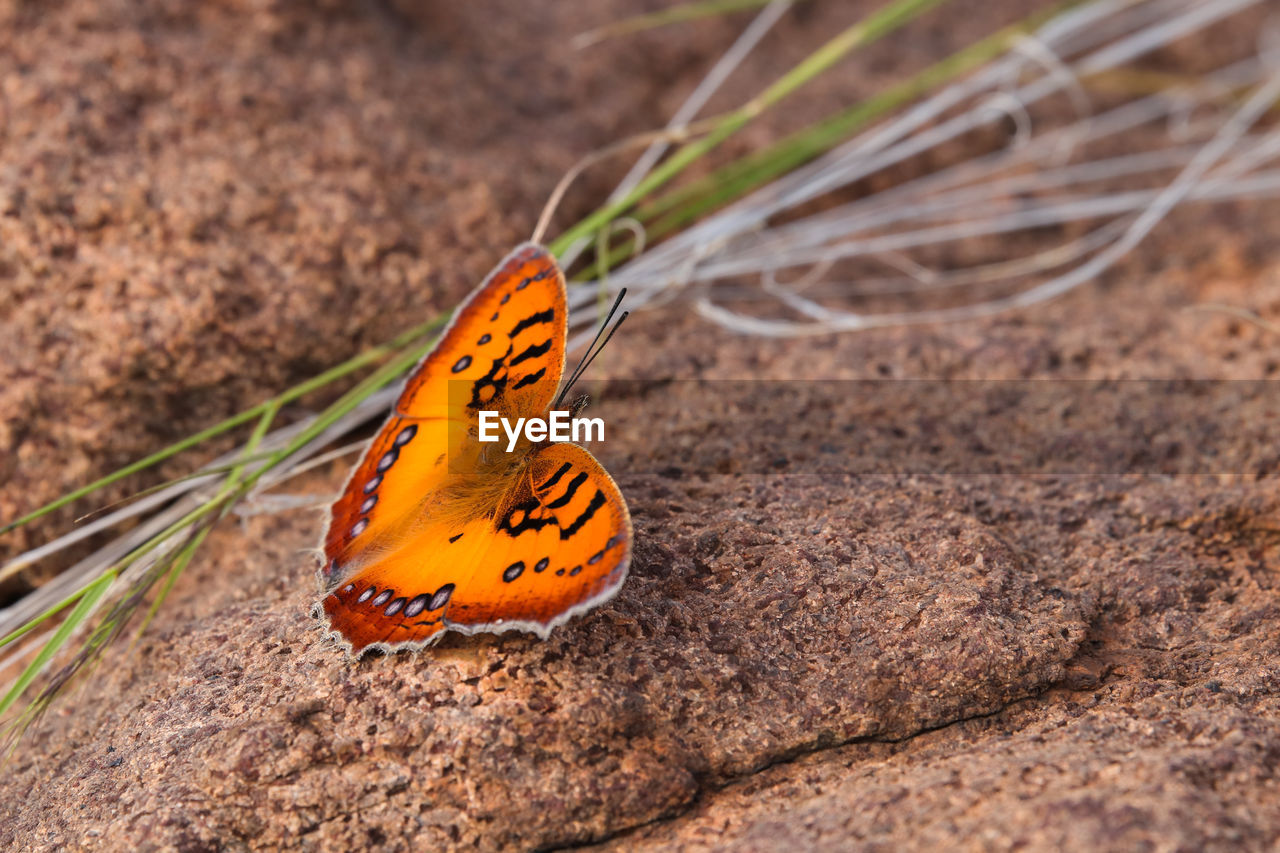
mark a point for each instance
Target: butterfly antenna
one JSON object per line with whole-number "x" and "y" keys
{"x": 588, "y": 356}
{"x": 578, "y": 374}
{"x": 593, "y": 350}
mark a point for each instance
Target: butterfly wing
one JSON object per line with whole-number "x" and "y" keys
{"x": 504, "y": 347}
{"x": 412, "y": 543}
{"x": 559, "y": 544}
{"x": 503, "y": 350}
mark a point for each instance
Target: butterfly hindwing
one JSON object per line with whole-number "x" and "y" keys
{"x": 561, "y": 543}
{"x": 400, "y": 599}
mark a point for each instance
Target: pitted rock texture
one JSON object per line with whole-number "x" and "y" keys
{"x": 203, "y": 203}
{"x": 739, "y": 642}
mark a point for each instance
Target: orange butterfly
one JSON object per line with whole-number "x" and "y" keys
{"x": 437, "y": 531}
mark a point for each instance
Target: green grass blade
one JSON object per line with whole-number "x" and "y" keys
{"x": 255, "y": 438}
{"x": 384, "y": 375}
{"x": 183, "y": 557}
{"x": 680, "y": 14}
{"x": 178, "y": 564}
{"x": 314, "y": 383}
{"x": 206, "y": 471}
{"x": 89, "y": 598}
{"x": 37, "y": 621}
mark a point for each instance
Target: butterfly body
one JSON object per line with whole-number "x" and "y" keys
{"x": 439, "y": 531}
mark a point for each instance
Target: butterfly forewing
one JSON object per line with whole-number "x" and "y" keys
{"x": 504, "y": 350}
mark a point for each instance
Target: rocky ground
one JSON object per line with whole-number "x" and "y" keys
{"x": 819, "y": 646}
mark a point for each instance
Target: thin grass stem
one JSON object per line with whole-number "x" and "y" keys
{"x": 869, "y": 30}
{"x": 674, "y": 15}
